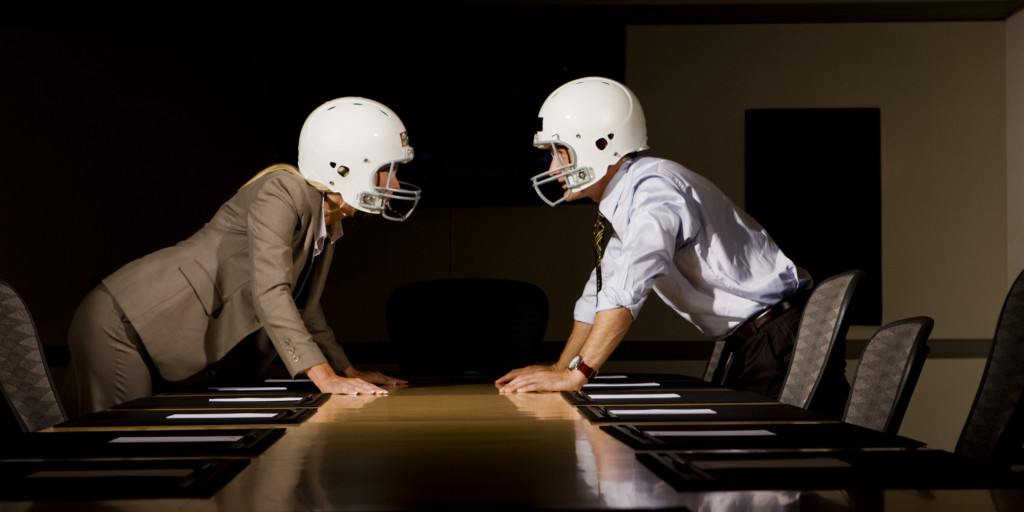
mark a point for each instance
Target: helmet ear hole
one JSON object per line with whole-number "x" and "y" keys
{"x": 601, "y": 144}
{"x": 343, "y": 171}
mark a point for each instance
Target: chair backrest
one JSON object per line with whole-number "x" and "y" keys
{"x": 25, "y": 380}
{"x": 887, "y": 374}
{"x": 714, "y": 363}
{"x": 466, "y": 325}
{"x": 823, "y": 327}
{"x": 994, "y": 430}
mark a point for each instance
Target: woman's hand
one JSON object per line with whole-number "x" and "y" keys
{"x": 329, "y": 382}
{"x": 374, "y": 377}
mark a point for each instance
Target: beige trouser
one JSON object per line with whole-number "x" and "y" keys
{"x": 107, "y": 365}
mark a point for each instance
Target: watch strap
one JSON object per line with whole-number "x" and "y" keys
{"x": 587, "y": 371}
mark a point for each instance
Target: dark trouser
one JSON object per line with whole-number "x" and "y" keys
{"x": 761, "y": 360}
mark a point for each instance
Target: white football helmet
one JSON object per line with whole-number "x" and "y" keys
{"x": 598, "y": 121}
{"x": 343, "y": 145}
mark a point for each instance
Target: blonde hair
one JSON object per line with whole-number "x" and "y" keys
{"x": 287, "y": 168}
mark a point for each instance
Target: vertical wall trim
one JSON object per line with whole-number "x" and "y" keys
{"x": 1014, "y": 145}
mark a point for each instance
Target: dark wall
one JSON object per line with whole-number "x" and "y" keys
{"x": 118, "y": 140}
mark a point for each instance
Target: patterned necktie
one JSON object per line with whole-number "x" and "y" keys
{"x": 600, "y": 242}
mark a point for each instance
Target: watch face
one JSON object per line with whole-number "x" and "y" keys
{"x": 575, "y": 362}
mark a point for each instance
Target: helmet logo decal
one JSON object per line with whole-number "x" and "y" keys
{"x": 405, "y": 138}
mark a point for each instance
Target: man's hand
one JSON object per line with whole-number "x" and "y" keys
{"x": 329, "y": 382}
{"x": 505, "y": 379}
{"x": 374, "y": 377}
{"x": 541, "y": 378}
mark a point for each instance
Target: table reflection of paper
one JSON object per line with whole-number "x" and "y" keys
{"x": 632, "y": 396}
{"x": 221, "y": 416}
{"x": 660, "y": 412}
{"x": 815, "y": 462}
{"x": 113, "y": 473}
{"x": 595, "y": 385}
{"x": 709, "y": 433}
{"x": 258, "y": 399}
{"x": 256, "y": 388}
{"x": 603, "y": 377}
{"x": 175, "y": 439}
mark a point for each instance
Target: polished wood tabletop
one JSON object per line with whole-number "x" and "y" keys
{"x": 460, "y": 446}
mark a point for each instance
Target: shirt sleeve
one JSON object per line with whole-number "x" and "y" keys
{"x": 586, "y": 305}
{"x": 641, "y": 250}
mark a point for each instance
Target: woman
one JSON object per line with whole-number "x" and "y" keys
{"x": 255, "y": 271}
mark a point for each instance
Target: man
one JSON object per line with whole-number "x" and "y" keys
{"x": 667, "y": 229}
{"x": 255, "y": 272}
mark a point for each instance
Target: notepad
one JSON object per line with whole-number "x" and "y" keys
{"x": 659, "y": 412}
{"x": 632, "y": 396}
{"x": 594, "y": 385}
{"x": 175, "y": 439}
{"x": 709, "y": 433}
{"x": 259, "y": 399}
{"x": 221, "y": 416}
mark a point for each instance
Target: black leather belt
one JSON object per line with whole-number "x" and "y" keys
{"x": 759, "y": 320}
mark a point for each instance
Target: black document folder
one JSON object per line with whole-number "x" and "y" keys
{"x": 850, "y": 470}
{"x": 767, "y": 436}
{"x": 673, "y": 395}
{"x": 123, "y": 479}
{"x": 232, "y": 400}
{"x": 141, "y": 444}
{"x": 755, "y": 413}
{"x": 185, "y": 417}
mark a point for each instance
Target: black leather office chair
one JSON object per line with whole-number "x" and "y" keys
{"x": 717, "y": 369}
{"x": 994, "y": 430}
{"x": 820, "y": 339}
{"x": 887, "y": 374}
{"x": 455, "y": 327}
{"x": 25, "y": 381}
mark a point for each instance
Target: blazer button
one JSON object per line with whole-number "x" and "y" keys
{"x": 295, "y": 359}
{"x": 287, "y": 342}
{"x": 291, "y": 350}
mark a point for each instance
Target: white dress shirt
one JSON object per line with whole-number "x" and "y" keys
{"x": 676, "y": 233}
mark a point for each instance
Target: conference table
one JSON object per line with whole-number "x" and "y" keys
{"x": 457, "y": 444}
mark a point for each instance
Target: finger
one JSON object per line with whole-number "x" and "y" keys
{"x": 508, "y": 377}
{"x": 516, "y": 384}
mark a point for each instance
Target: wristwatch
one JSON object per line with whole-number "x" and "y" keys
{"x": 578, "y": 364}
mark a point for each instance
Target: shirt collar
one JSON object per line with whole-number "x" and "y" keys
{"x": 613, "y": 192}
{"x": 325, "y": 232}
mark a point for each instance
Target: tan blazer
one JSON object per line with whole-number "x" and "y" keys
{"x": 191, "y": 303}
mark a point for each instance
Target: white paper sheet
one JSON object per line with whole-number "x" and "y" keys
{"x": 259, "y": 399}
{"x": 257, "y": 388}
{"x": 113, "y": 473}
{"x": 596, "y": 385}
{"x": 660, "y": 412}
{"x": 630, "y": 396}
{"x": 709, "y": 433}
{"x": 814, "y": 462}
{"x": 221, "y": 416}
{"x": 174, "y": 439}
